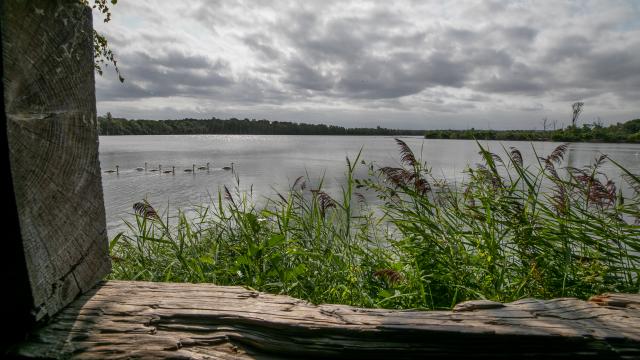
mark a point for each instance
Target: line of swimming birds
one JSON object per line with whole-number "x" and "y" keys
{"x": 172, "y": 171}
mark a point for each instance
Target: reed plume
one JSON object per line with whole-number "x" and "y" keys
{"x": 406, "y": 155}
{"x": 516, "y": 156}
{"x": 299, "y": 181}
{"x": 557, "y": 154}
{"x": 390, "y": 275}
{"x": 145, "y": 210}
{"x": 325, "y": 201}
{"x": 227, "y": 195}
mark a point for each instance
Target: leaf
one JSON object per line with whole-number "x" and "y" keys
{"x": 206, "y": 260}
{"x": 114, "y": 241}
{"x": 275, "y": 240}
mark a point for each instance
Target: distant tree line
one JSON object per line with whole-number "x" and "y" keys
{"x": 120, "y": 126}
{"x": 621, "y": 132}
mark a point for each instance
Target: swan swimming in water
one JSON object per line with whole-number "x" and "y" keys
{"x": 193, "y": 168}
{"x": 173, "y": 170}
{"x": 117, "y": 170}
{"x": 228, "y": 167}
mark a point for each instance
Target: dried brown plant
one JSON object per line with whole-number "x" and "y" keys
{"x": 406, "y": 155}
{"x": 516, "y": 156}
{"x": 390, "y": 275}
{"x": 145, "y": 210}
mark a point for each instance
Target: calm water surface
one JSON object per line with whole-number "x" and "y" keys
{"x": 266, "y": 164}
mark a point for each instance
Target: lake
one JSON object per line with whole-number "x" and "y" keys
{"x": 265, "y": 164}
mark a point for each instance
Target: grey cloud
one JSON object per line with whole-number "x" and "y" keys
{"x": 214, "y": 13}
{"x": 518, "y": 79}
{"x": 569, "y": 47}
{"x": 573, "y": 94}
{"x": 477, "y": 98}
{"x": 441, "y": 70}
{"x": 612, "y": 71}
{"x": 118, "y": 40}
{"x": 515, "y": 36}
{"x": 261, "y": 44}
{"x": 519, "y": 34}
{"x": 169, "y": 74}
{"x": 401, "y": 75}
{"x": 512, "y": 85}
{"x": 613, "y": 66}
{"x": 161, "y": 39}
{"x": 337, "y": 41}
{"x": 450, "y": 107}
{"x": 302, "y": 76}
{"x": 253, "y": 91}
{"x": 533, "y": 107}
{"x": 349, "y": 47}
{"x": 494, "y": 6}
{"x": 108, "y": 89}
{"x": 376, "y": 80}
{"x": 174, "y": 59}
{"x": 483, "y": 57}
{"x": 461, "y": 35}
{"x": 346, "y": 38}
{"x": 367, "y": 55}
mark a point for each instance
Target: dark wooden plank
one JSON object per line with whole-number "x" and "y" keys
{"x": 49, "y": 99}
{"x": 122, "y": 319}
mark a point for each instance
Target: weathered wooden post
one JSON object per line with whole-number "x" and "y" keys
{"x": 51, "y": 129}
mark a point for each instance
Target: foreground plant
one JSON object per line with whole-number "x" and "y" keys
{"x": 510, "y": 231}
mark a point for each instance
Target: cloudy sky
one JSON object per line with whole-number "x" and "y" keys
{"x": 397, "y": 64}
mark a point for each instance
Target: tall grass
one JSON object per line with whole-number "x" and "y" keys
{"x": 509, "y": 231}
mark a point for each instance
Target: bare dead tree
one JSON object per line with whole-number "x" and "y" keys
{"x": 598, "y": 122}
{"x": 577, "y": 109}
{"x": 544, "y": 123}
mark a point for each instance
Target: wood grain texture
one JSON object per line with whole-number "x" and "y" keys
{"x": 121, "y": 319}
{"x": 50, "y": 108}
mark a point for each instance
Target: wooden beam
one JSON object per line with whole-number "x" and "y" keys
{"x": 50, "y": 109}
{"x": 121, "y": 319}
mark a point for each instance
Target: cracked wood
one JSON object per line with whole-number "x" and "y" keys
{"x": 122, "y": 319}
{"x": 49, "y": 98}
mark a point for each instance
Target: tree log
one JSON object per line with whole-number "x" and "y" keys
{"x": 121, "y": 319}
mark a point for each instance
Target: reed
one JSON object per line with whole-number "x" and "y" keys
{"x": 509, "y": 231}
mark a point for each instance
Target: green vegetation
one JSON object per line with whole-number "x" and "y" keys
{"x": 509, "y": 231}
{"x": 120, "y": 126}
{"x": 621, "y": 132}
{"x": 102, "y": 53}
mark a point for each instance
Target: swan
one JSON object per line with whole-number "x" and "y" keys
{"x": 117, "y": 170}
{"x": 228, "y": 167}
{"x": 204, "y": 167}
{"x": 193, "y": 168}
{"x": 144, "y": 168}
{"x": 173, "y": 170}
